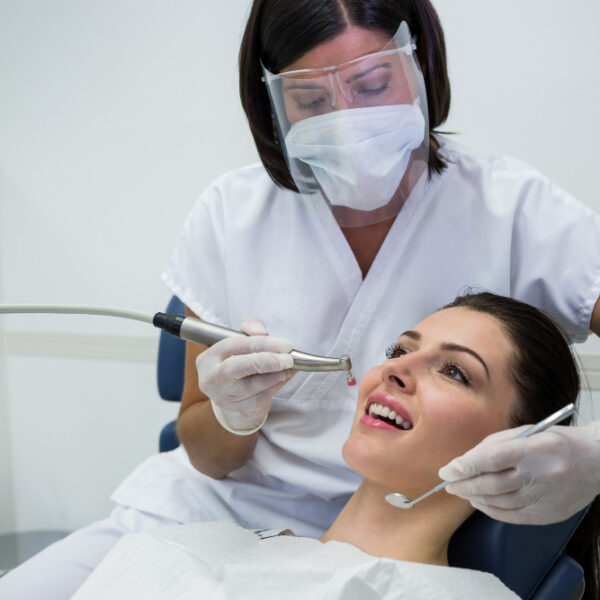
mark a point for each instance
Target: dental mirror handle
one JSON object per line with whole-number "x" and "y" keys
{"x": 553, "y": 419}
{"x": 401, "y": 501}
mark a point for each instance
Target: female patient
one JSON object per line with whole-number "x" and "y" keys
{"x": 481, "y": 364}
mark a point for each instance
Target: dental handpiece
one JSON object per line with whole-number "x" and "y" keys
{"x": 401, "y": 501}
{"x": 192, "y": 329}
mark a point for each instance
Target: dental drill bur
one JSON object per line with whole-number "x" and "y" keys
{"x": 401, "y": 501}
{"x": 192, "y": 329}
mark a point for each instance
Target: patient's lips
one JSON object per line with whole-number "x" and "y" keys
{"x": 385, "y": 412}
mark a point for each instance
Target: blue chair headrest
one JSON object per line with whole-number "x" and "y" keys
{"x": 520, "y": 555}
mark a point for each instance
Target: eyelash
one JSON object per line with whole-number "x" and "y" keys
{"x": 449, "y": 364}
{"x": 396, "y": 351}
{"x": 374, "y": 91}
{"x": 312, "y": 106}
{"x": 367, "y": 92}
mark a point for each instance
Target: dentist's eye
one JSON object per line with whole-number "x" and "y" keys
{"x": 395, "y": 351}
{"x": 312, "y": 105}
{"x": 369, "y": 91}
{"x": 454, "y": 371}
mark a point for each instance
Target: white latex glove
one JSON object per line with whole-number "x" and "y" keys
{"x": 544, "y": 478}
{"x": 240, "y": 375}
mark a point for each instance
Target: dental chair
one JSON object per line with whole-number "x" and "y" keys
{"x": 529, "y": 559}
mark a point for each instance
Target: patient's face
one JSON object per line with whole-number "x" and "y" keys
{"x": 445, "y": 387}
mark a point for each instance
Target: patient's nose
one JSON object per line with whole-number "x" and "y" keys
{"x": 398, "y": 375}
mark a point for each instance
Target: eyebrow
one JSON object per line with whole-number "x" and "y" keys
{"x": 299, "y": 86}
{"x": 459, "y": 348}
{"x": 365, "y": 73}
{"x": 415, "y": 335}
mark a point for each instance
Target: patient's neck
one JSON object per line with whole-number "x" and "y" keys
{"x": 420, "y": 534}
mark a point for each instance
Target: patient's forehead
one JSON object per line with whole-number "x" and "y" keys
{"x": 479, "y": 331}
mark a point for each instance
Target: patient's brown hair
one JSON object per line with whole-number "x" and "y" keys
{"x": 545, "y": 373}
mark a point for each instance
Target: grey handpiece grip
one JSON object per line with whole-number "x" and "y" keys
{"x": 202, "y": 332}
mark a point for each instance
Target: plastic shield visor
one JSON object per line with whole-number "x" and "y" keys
{"x": 356, "y": 132}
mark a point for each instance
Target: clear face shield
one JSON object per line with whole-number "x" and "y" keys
{"x": 358, "y": 132}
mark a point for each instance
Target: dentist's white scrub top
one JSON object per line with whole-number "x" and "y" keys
{"x": 223, "y": 561}
{"x": 250, "y": 248}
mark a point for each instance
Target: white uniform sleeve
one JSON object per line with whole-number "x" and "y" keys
{"x": 196, "y": 270}
{"x": 555, "y": 262}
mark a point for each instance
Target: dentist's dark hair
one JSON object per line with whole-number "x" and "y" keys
{"x": 278, "y": 32}
{"x": 545, "y": 374}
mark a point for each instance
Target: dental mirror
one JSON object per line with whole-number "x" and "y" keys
{"x": 401, "y": 501}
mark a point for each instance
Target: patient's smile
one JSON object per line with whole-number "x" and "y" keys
{"x": 385, "y": 412}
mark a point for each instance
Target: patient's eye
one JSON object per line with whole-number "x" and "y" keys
{"x": 456, "y": 372}
{"x": 395, "y": 351}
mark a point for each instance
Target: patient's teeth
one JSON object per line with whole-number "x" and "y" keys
{"x": 385, "y": 412}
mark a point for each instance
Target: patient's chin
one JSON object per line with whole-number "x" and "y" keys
{"x": 347, "y": 452}
{"x": 358, "y": 457}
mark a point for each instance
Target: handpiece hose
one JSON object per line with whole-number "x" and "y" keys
{"x": 192, "y": 329}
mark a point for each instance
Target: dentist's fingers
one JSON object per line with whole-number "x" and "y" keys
{"x": 232, "y": 360}
{"x": 240, "y": 374}
{"x": 237, "y": 367}
{"x": 541, "y": 479}
{"x": 512, "y": 501}
{"x": 498, "y": 452}
{"x": 487, "y": 484}
{"x": 238, "y": 345}
{"x": 253, "y": 326}
{"x": 255, "y": 387}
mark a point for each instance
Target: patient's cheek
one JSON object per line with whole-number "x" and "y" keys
{"x": 369, "y": 382}
{"x": 461, "y": 433}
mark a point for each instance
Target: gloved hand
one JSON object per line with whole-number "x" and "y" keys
{"x": 240, "y": 375}
{"x": 544, "y": 478}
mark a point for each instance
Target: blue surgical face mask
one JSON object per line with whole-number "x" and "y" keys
{"x": 358, "y": 156}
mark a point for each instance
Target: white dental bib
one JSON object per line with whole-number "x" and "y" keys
{"x": 222, "y": 561}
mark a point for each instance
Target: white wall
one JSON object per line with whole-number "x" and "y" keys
{"x": 7, "y": 512}
{"x": 526, "y": 82}
{"x": 113, "y": 117}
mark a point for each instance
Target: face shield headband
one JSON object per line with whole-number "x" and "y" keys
{"x": 355, "y": 134}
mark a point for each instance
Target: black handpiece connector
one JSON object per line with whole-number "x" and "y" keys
{"x": 169, "y": 323}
